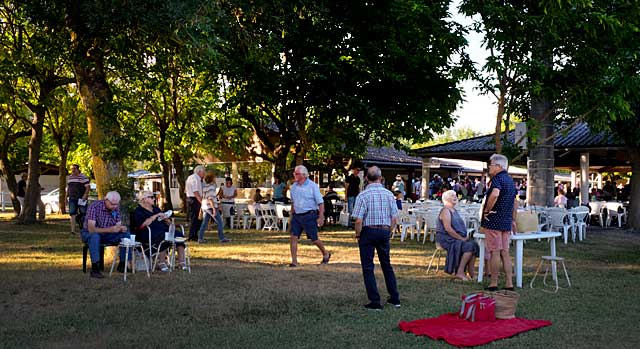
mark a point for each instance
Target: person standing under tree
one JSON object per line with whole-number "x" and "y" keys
{"x": 307, "y": 210}
{"x": 375, "y": 212}
{"x": 499, "y": 219}
{"x": 78, "y": 187}
{"x": 194, "y": 201}
{"x": 352, "y": 189}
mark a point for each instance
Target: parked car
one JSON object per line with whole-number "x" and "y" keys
{"x": 50, "y": 201}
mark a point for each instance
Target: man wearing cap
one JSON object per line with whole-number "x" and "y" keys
{"x": 375, "y": 213}
{"x": 307, "y": 210}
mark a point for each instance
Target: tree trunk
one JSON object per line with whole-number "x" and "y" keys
{"x": 62, "y": 182}
{"x": 498, "y": 133}
{"x": 541, "y": 161}
{"x": 32, "y": 194}
{"x": 12, "y": 184}
{"x": 180, "y": 175}
{"x": 102, "y": 122}
{"x": 167, "y": 203}
{"x": 633, "y": 216}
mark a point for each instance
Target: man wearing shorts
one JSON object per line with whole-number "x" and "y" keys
{"x": 307, "y": 211}
{"x": 499, "y": 219}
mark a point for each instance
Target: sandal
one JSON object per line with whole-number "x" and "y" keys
{"x": 163, "y": 267}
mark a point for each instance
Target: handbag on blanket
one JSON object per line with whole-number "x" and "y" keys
{"x": 478, "y": 307}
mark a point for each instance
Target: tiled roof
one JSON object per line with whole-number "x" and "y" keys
{"x": 390, "y": 156}
{"x": 579, "y": 136}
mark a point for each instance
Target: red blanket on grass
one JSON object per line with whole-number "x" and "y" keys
{"x": 463, "y": 333}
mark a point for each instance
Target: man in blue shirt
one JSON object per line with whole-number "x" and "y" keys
{"x": 375, "y": 212}
{"x": 499, "y": 219}
{"x": 307, "y": 211}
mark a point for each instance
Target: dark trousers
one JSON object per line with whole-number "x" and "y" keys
{"x": 372, "y": 240}
{"x": 194, "y": 222}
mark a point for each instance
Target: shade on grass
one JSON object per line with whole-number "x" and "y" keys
{"x": 243, "y": 295}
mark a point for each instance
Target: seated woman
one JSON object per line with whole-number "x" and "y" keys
{"x": 451, "y": 234}
{"x": 149, "y": 215}
{"x": 257, "y": 197}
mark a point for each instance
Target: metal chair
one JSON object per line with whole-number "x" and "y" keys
{"x": 551, "y": 260}
{"x": 436, "y": 253}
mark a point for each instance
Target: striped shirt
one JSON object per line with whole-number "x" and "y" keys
{"x": 375, "y": 206}
{"x": 76, "y": 186}
{"x": 99, "y": 213}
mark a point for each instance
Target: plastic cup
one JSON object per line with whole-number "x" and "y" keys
{"x": 167, "y": 236}
{"x": 132, "y": 238}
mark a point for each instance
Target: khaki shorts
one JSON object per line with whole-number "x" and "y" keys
{"x": 496, "y": 240}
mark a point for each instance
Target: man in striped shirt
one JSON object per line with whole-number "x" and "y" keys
{"x": 375, "y": 212}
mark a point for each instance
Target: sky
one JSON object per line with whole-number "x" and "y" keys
{"x": 477, "y": 111}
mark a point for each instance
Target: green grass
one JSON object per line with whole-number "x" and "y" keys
{"x": 242, "y": 295}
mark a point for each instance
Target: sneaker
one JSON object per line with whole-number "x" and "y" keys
{"x": 373, "y": 306}
{"x": 202, "y": 241}
{"x": 395, "y": 304}
{"x": 96, "y": 274}
{"x": 183, "y": 266}
{"x": 225, "y": 241}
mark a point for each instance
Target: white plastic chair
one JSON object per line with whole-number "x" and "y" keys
{"x": 430, "y": 225}
{"x": 253, "y": 216}
{"x": 226, "y": 213}
{"x": 580, "y": 213}
{"x": 407, "y": 222}
{"x": 266, "y": 213}
{"x": 281, "y": 218}
{"x": 617, "y": 210}
{"x": 560, "y": 219}
{"x": 598, "y": 210}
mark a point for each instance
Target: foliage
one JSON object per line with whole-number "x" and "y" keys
{"x": 449, "y": 135}
{"x": 323, "y": 78}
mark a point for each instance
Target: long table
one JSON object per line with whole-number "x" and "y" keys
{"x": 519, "y": 239}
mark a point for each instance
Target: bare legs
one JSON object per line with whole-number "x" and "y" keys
{"x": 466, "y": 257}
{"x": 496, "y": 258}
{"x": 293, "y": 241}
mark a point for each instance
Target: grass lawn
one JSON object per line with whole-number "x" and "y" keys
{"x": 243, "y": 295}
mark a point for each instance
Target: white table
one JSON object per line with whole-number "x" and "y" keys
{"x": 519, "y": 239}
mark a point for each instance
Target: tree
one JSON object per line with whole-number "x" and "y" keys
{"x": 66, "y": 123}
{"x": 33, "y": 65}
{"x": 320, "y": 77}
{"x": 578, "y": 63}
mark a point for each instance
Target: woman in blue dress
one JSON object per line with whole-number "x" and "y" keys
{"x": 451, "y": 234}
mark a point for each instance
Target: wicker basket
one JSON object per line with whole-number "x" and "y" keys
{"x": 506, "y": 303}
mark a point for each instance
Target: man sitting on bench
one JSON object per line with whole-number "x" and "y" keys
{"x": 103, "y": 225}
